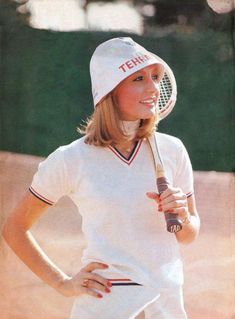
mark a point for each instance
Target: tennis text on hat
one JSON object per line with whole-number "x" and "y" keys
{"x": 135, "y": 61}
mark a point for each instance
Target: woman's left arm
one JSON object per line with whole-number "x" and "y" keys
{"x": 190, "y": 222}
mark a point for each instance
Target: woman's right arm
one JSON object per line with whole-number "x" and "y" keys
{"x": 17, "y": 234}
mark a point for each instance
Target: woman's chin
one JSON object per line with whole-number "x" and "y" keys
{"x": 149, "y": 114}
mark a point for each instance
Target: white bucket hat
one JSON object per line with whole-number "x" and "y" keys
{"x": 114, "y": 60}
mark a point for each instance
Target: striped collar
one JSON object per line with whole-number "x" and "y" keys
{"x": 132, "y": 155}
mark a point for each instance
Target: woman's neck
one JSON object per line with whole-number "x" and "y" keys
{"x": 130, "y": 128}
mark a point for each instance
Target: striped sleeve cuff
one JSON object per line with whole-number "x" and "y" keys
{"x": 39, "y": 196}
{"x": 189, "y": 194}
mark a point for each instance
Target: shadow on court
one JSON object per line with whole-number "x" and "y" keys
{"x": 209, "y": 264}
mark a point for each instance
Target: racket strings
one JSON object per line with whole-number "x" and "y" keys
{"x": 165, "y": 92}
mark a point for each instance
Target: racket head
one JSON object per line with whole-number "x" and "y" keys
{"x": 168, "y": 92}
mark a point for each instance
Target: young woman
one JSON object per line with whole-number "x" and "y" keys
{"x": 131, "y": 262}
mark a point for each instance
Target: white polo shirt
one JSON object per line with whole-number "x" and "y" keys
{"x": 121, "y": 224}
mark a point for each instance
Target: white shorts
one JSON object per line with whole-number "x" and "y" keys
{"x": 127, "y": 299}
{"x": 169, "y": 305}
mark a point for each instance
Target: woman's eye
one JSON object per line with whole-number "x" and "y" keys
{"x": 155, "y": 77}
{"x": 138, "y": 78}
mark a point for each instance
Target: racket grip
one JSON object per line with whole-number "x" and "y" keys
{"x": 173, "y": 224}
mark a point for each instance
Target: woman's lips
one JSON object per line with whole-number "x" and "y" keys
{"x": 149, "y": 102}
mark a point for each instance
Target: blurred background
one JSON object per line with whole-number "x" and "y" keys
{"x": 46, "y": 46}
{"x": 45, "y": 93}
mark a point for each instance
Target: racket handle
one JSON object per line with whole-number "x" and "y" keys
{"x": 173, "y": 224}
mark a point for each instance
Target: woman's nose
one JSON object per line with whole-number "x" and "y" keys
{"x": 152, "y": 86}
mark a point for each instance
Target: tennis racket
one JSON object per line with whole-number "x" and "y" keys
{"x": 168, "y": 91}
{"x": 173, "y": 224}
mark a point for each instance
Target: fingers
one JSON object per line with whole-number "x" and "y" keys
{"x": 173, "y": 193}
{"x": 88, "y": 286}
{"x": 153, "y": 195}
{"x": 98, "y": 279}
{"x": 173, "y": 196}
{"x": 181, "y": 212}
{"x": 91, "y": 292}
{"x": 172, "y": 205}
{"x": 86, "y": 282}
{"x": 94, "y": 265}
{"x": 89, "y": 282}
{"x": 172, "y": 200}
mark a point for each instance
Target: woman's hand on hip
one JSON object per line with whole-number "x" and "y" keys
{"x": 86, "y": 282}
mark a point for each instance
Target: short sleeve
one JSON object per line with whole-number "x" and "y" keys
{"x": 184, "y": 172}
{"x": 50, "y": 182}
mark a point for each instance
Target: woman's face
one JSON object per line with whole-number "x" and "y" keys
{"x": 137, "y": 96}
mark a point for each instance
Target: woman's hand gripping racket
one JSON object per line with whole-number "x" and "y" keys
{"x": 173, "y": 224}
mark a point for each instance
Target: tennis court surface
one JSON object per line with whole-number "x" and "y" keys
{"x": 209, "y": 263}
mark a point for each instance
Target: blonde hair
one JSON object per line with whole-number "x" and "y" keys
{"x": 103, "y": 127}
